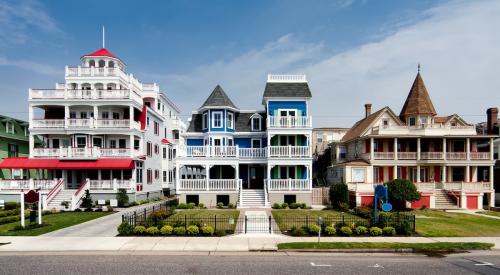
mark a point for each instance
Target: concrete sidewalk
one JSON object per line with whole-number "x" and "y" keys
{"x": 248, "y": 242}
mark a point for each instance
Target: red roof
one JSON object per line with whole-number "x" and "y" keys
{"x": 102, "y": 52}
{"x": 26, "y": 163}
{"x": 166, "y": 141}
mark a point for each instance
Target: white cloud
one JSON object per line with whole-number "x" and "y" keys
{"x": 43, "y": 69}
{"x": 456, "y": 43}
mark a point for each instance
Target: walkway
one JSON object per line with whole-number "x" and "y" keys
{"x": 473, "y": 212}
{"x": 248, "y": 242}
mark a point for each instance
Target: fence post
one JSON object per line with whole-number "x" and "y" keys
{"x": 343, "y": 222}
{"x": 135, "y": 217}
{"x": 246, "y": 224}
{"x": 145, "y": 214}
{"x": 215, "y": 223}
{"x": 270, "y": 232}
{"x": 185, "y": 222}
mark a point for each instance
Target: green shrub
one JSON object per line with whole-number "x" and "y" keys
{"x": 153, "y": 230}
{"x": 11, "y": 205}
{"x": 191, "y": 205}
{"x": 180, "y": 231}
{"x": 330, "y": 230}
{"x": 339, "y": 194}
{"x": 139, "y": 230}
{"x": 284, "y": 205}
{"x": 157, "y": 217}
{"x": 122, "y": 198}
{"x": 363, "y": 211}
{"x": 166, "y": 230}
{"x": 220, "y": 232}
{"x": 313, "y": 229}
{"x": 400, "y": 192}
{"x": 298, "y": 231}
{"x": 343, "y": 206}
{"x": 201, "y": 206}
{"x": 11, "y": 212}
{"x": 276, "y": 205}
{"x": 293, "y": 205}
{"x": 9, "y": 219}
{"x": 193, "y": 230}
{"x": 124, "y": 229}
{"x": 346, "y": 231}
{"x": 375, "y": 231}
{"x": 134, "y": 203}
{"x": 207, "y": 230}
{"x": 231, "y": 206}
{"x": 220, "y": 205}
{"x": 87, "y": 200}
{"x": 361, "y": 230}
{"x": 404, "y": 228}
{"x": 182, "y": 206}
{"x": 303, "y": 205}
{"x": 389, "y": 231}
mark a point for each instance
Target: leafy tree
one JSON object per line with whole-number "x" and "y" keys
{"x": 339, "y": 194}
{"x": 87, "y": 200}
{"x": 400, "y": 192}
{"x": 122, "y": 197}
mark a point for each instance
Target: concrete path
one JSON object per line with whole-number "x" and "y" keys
{"x": 248, "y": 242}
{"x": 473, "y": 212}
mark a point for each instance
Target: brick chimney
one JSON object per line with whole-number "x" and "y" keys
{"x": 368, "y": 109}
{"x": 492, "y": 118}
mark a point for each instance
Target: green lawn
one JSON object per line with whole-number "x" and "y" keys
{"x": 490, "y": 213}
{"x": 417, "y": 247}
{"x": 219, "y": 219}
{"x": 443, "y": 224}
{"x": 286, "y": 219}
{"x": 53, "y": 222}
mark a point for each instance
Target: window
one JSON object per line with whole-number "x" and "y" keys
{"x": 139, "y": 171}
{"x": 217, "y": 142}
{"x": 116, "y": 115}
{"x": 137, "y": 144}
{"x": 149, "y": 149}
{"x": 105, "y": 115}
{"x": 149, "y": 176}
{"x": 164, "y": 176}
{"x": 157, "y": 174}
{"x": 205, "y": 120}
{"x": 25, "y": 131}
{"x": 164, "y": 153}
{"x": 156, "y": 128}
{"x": 224, "y": 199}
{"x": 385, "y": 123}
{"x": 147, "y": 121}
{"x": 164, "y": 132}
{"x": 158, "y": 106}
{"x": 230, "y": 121}
{"x": 193, "y": 199}
{"x": 217, "y": 120}
{"x": 72, "y": 114}
{"x": 256, "y": 124}
{"x": 412, "y": 121}
{"x": 9, "y": 127}
{"x": 256, "y": 143}
{"x": 229, "y": 142}
{"x": 319, "y": 137}
{"x": 55, "y": 143}
{"x": 112, "y": 143}
{"x": 358, "y": 174}
{"x": 122, "y": 143}
{"x": 157, "y": 149}
{"x": 423, "y": 120}
{"x": 289, "y": 199}
{"x": 13, "y": 150}
{"x": 83, "y": 114}
{"x": 81, "y": 142}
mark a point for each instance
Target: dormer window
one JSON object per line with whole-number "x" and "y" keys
{"x": 423, "y": 120}
{"x": 385, "y": 123}
{"x": 412, "y": 121}
{"x": 204, "y": 120}
{"x": 9, "y": 127}
{"x": 256, "y": 122}
{"x": 230, "y": 120}
{"x": 216, "y": 119}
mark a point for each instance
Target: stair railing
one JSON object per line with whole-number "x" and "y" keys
{"x": 265, "y": 193}
{"x": 53, "y": 192}
{"x": 240, "y": 186}
{"x": 79, "y": 193}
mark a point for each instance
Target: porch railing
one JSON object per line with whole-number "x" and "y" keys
{"x": 456, "y": 155}
{"x": 480, "y": 155}
{"x": 431, "y": 155}
{"x": 82, "y": 153}
{"x": 29, "y": 184}
{"x": 289, "y": 122}
{"x": 112, "y": 123}
{"x": 47, "y": 123}
{"x": 425, "y": 186}
{"x": 213, "y": 184}
{"x": 383, "y": 155}
{"x": 407, "y": 155}
{"x": 253, "y": 152}
{"x": 289, "y": 185}
{"x": 289, "y": 151}
{"x": 113, "y": 184}
{"x": 467, "y": 186}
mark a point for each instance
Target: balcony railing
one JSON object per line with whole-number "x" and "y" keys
{"x": 208, "y": 185}
{"x": 425, "y": 186}
{"x": 383, "y": 155}
{"x": 289, "y": 122}
{"x": 112, "y": 123}
{"x": 82, "y": 153}
{"x": 456, "y": 155}
{"x": 431, "y": 155}
{"x": 253, "y": 153}
{"x": 467, "y": 186}
{"x": 48, "y": 123}
{"x": 480, "y": 155}
{"x": 289, "y": 185}
{"x": 84, "y": 123}
{"x": 30, "y": 184}
{"x": 83, "y": 94}
{"x": 407, "y": 155}
{"x": 113, "y": 184}
{"x": 289, "y": 151}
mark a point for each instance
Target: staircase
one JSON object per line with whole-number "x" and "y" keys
{"x": 444, "y": 201}
{"x": 252, "y": 198}
{"x": 63, "y": 195}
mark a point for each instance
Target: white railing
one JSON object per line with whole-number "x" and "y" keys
{"x": 361, "y": 186}
{"x": 47, "y": 123}
{"x": 113, "y": 152}
{"x": 286, "y": 78}
{"x": 289, "y": 151}
{"x": 467, "y": 186}
{"x": 77, "y": 152}
{"x": 196, "y": 151}
{"x": 53, "y": 192}
{"x": 480, "y": 155}
{"x": 85, "y": 152}
{"x": 79, "y": 122}
{"x": 113, "y": 123}
{"x": 407, "y": 155}
{"x": 83, "y": 94}
{"x": 288, "y": 185}
{"x": 383, "y": 155}
{"x": 46, "y": 152}
{"x": 253, "y": 152}
{"x": 79, "y": 193}
{"x": 456, "y": 155}
{"x": 113, "y": 184}
{"x": 431, "y": 155}
{"x": 223, "y": 151}
{"x": 425, "y": 186}
{"x": 289, "y": 122}
{"x": 213, "y": 184}
{"x": 14, "y": 184}
{"x": 46, "y": 93}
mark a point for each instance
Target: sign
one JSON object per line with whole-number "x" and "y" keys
{"x": 31, "y": 197}
{"x": 101, "y": 202}
{"x": 386, "y": 207}
{"x": 113, "y": 203}
{"x": 2, "y": 204}
{"x": 381, "y": 191}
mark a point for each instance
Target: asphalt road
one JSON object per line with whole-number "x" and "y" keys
{"x": 250, "y": 263}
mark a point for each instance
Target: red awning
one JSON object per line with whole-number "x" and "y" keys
{"x": 26, "y": 163}
{"x": 166, "y": 141}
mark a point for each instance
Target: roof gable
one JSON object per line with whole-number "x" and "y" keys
{"x": 102, "y": 52}
{"x": 360, "y": 127}
{"x": 218, "y": 98}
{"x": 418, "y": 101}
{"x": 287, "y": 89}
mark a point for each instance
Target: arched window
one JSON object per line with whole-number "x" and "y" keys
{"x": 111, "y": 86}
{"x": 102, "y": 63}
{"x": 98, "y": 86}
{"x": 111, "y": 64}
{"x": 73, "y": 86}
{"x": 91, "y": 63}
{"x": 86, "y": 86}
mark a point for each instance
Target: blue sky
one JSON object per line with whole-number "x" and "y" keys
{"x": 352, "y": 51}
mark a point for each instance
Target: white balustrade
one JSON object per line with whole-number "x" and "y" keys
{"x": 252, "y": 152}
{"x": 467, "y": 186}
{"x": 46, "y": 152}
{"x": 113, "y": 152}
{"x": 79, "y": 122}
{"x": 425, "y": 186}
{"x": 222, "y": 184}
{"x": 196, "y": 151}
{"x": 113, "y": 123}
{"x": 289, "y": 151}
{"x": 30, "y": 184}
{"x": 431, "y": 155}
{"x": 407, "y": 155}
{"x": 289, "y": 122}
{"x": 113, "y": 184}
{"x": 456, "y": 155}
{"x": 46, "y": 94}
{"x": 480, "y": 155}
{"x": 83, "y": 94}
{"x": 193, "y": 184}
{"x": 223, "y": 151}
{"x": 383, "y": 155}
{"x": 213, "y": 184}
{"x": 47, "y": 123}
{"x": 288, "y": 185}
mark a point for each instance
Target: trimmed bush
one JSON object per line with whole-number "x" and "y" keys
{"x": 140, "y": 230}
{"x": 193, "y": 230}
{"x": 346, "y": 230}
{"x": 400, "y": 192}
{"x": 182, "y": 206}
{"x": 298, "y": 231}
{"x": 180, "y": 231}
{"x": 207, "y": 230}
{"x": 375, "y": 231}
{"x": 389, "y": 231}
{"x": 231, "y": 206}
{"x": 361, "y": 230}
{"x": 220, "y": 205}
{"x": 276, "y": 205}
{"x": 87, "y": 200}
{"x": 339, "y": 194}
{"x": 294, "y": 205}
{"x": 157, "y": 217}
{"x": 11, "y": 205}
{"x": 191, "y": 205}
{"x": 313, "y": 229}
{"x": 9, "y": 219}
{"x": 152, "y": 230}
{"x": 404, "y": 228}
{"x": 363, "y": 211}
{"x": 201, "y": 206}
{"x": 343, "y": 206}
{"x": 12, "y": 212}
{"x": 122, "y": 197}
{"x": 284, "y": 205}
{"x": 330, "y": 230}
{"x": 220, "y": 232}
{"x": 303, "y": 206}
{"x": 166, "y": 230}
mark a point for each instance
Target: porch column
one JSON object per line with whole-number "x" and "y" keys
{"x": 66, "y": 116}
{"x": 96, "y": 116}
{"x": 131, "y": 116}
{"x": 372, "y": 142}
{"x": 309, "y": 178}
{"x": 467, "y": 173}
{"x": 395, "y": 172}
{"x": 418, "y": 152}
{"x": 418, "y": 173}
{"x": 177, "y": 178}
{"x": 395, "y": 149}
{"x": 491, "y": 175}
{"x": 207, "y": 173}
{"x": 492, "y": 151}
{"x": 444, "y": 148}
{"x": 337, "y": 152}
{"x": 444, "y": 179}
{"x": 474, "y": 173}
{"x": 31, "y": 139}
{"x": 131, "y": 146}
{"x": 467, "y": 148}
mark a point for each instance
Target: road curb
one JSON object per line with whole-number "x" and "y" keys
{"x": 382, "y": 250}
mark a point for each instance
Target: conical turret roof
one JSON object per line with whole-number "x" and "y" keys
{"x": 418, "y": 101}
{"x": 218, "y": 98}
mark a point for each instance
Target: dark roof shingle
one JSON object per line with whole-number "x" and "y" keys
{"x": 286, "y": 89}
{"x": 418, "y": 100}
{"x": 218, "y": 98}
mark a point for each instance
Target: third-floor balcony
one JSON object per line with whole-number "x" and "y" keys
{"x": 68, "y": 94}
{"x": 245, "y": 153}
{"x": 289, "y": 122}
{"x": 289, "y": 151}
{"x": 84, "y": 123}
{"x": 84, "y": 153}
{"x": 449, "y": 156}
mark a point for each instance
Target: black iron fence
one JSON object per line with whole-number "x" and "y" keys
{"x": 139, "y": 216}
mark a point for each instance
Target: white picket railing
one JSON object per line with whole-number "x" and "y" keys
{"x": 223, "y": 184}
{"x": 289, "y": 122}
{"x": 85, "y": 152}
{"x": 288, "y": 185}
{"x": 47, "y": 123}
{"x": 113, "y": 184}
{"x": 289, "y": 151}
{"x": 196, "y": 151}
{"x": 253, "y": 152}
{"x": 114, "y": 152}
{"x": 407, "y": 155}
{"x": 431, "y": 155}
{"x": 223, "y": 151}
{"x": 46, "y": 152}
{"x": 425, "y": 186}
{"x": 192, "y": 184}
{"x": 213, "y": 184}
{"x": 112, "y": 123}
{"x": 46, "y": 94}
{"x": 79, "y": 122}
{"x": 480, "y": 155}
{"x": 467, "y": 186}
{"x": 456, "y": 155}
{"x": 383, "y": 155}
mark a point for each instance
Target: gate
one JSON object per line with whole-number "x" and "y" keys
{"x": 256, "y": 224}
{"x": 320, "y": 196}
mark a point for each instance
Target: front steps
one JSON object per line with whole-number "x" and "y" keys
{"x": 63, "y": 195}
{"x": 252, "y": 198}
{"x": 444, "y": 201}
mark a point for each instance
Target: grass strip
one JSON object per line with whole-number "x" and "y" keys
{"x": 416, "y": 247}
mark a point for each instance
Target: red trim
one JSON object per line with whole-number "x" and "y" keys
{"x": 166, "y": 141}
{"x": 142, "y": 117}
{"x": 367, "y": 200}
{"x": 102, "y": 163}
{"x": 437, "y": 174}
{"x": 403, "y": 172}
{"x": 391, "y": 173}
{"x": 472, "y": 202}
{"x": 102, "y": 52}
{"x": 424, "y": 200}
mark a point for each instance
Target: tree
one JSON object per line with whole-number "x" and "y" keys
{"x": 339, "y": 194}
{"x": 122, "y": 197}
{"x": 87, "y": 200}
{"x": 400, "y": 192}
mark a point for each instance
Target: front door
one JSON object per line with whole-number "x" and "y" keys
{"x": 256, "y": 177}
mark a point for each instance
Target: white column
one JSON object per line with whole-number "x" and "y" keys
{"x": 96, "y": 116}
{"x": 492, "y": 151}
{"x": 467, "y": 173}
{"x": 467, "y": 148}
{"x": 207, "y": 172}
{"x": 480, "y": 201}
{"x": 418, "y": 150}
{"x": 372, "y": 149}
{"x": 39, "y": 207}
{"x": 444, "y": 148}
{"x": 444, "y": 179}
{"x": 463, "y": 200}
{"x": 492, "y": 174}
{"x": 418, "y": 173}
{"x": 395, "y": 148}
{"x": 66, "y": 116}
{"x": 474, "y": 173}
{"x": 131, "y": 116}
{"x": 22, "y": 208}
{"x": 395, "y": 172}
{"x": 177, "y": 178}
{"x": 31, "y": 139}
{"x": 337, "y": 152}
{"x": 131, "y": 146}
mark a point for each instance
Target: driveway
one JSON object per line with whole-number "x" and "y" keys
{"x": 102, "y": 227}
